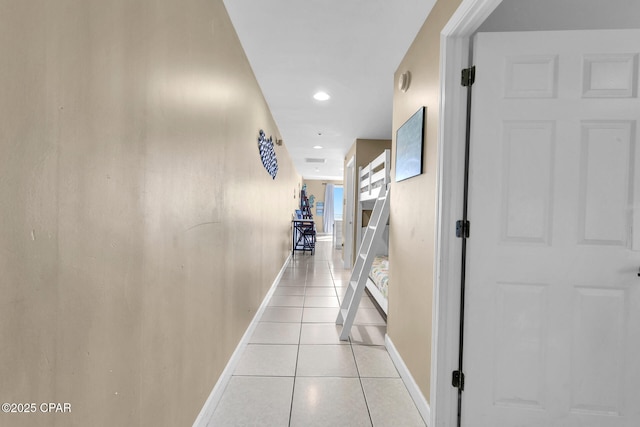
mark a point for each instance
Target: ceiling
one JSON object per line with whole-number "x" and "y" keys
{"x": 349, "y": 49}
{"x": 548, "y": 15}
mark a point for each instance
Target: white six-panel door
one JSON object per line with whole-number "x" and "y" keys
{"x": 553, "y": 293}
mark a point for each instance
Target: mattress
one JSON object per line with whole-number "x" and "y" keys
{"x": 380, "y": 274}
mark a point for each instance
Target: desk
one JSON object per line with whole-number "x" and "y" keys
{"x": 303, "y": 232}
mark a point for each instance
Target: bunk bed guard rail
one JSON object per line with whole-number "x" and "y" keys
{"x": 375, "y": 176}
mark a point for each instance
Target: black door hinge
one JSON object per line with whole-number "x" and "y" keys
{"x": 462, "y": 229}
{"x": 468, "y": 76}
{"x": 458, "y": 380}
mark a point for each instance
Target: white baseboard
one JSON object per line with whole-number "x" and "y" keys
{"x": 216, "y": 394}
{"x": 409, "y": 382}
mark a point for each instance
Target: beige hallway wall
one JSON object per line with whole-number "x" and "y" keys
{"x": 317, "y": 188}
{"x": 413, "y": 205}
{"x": 135, "y": 243}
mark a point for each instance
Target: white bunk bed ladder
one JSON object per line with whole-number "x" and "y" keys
{"x": 367, "y": 252}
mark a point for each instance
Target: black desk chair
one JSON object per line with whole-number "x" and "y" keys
{"x": 309, "y": 238}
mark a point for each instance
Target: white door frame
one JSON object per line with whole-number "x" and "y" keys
{"x": 348, "y": 214}
{"x": 454, "y": 56}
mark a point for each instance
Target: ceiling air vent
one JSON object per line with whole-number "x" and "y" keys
{"x": 308, "y": 160}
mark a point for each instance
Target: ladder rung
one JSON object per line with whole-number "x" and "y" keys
{"x": 363, "y": 256}
{"x": 372, "y": 227}
{"x": 344, "y": 312}
{"x": 354, "y": 284}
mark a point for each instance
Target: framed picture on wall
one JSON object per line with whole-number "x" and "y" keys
{"x": 409, "y": 146}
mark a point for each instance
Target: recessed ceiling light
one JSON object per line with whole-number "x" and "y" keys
{"x": 321, "y": 96}
{"x": 318, "y": 147}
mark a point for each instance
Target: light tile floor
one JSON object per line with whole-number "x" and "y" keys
{"x": 295, "y": 371}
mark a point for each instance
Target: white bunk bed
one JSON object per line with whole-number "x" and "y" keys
{"x": 371, "y": 180}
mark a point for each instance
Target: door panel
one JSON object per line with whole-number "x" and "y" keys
{"x": 605, "y": 182}
{"x": 528, "y": 148}
{"x": 553, "y": 296}
{"x": 596, "y": 379}
{"x": 519, "y": 339}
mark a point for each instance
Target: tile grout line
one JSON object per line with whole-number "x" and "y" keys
{"x": 295, "y": 371}
{"x": 331, "y": 275}
{"x": 355, "y": 361}
{"x": 364, "y": 395}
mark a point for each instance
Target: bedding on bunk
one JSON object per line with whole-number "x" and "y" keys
{"x": 380, "y": 274}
